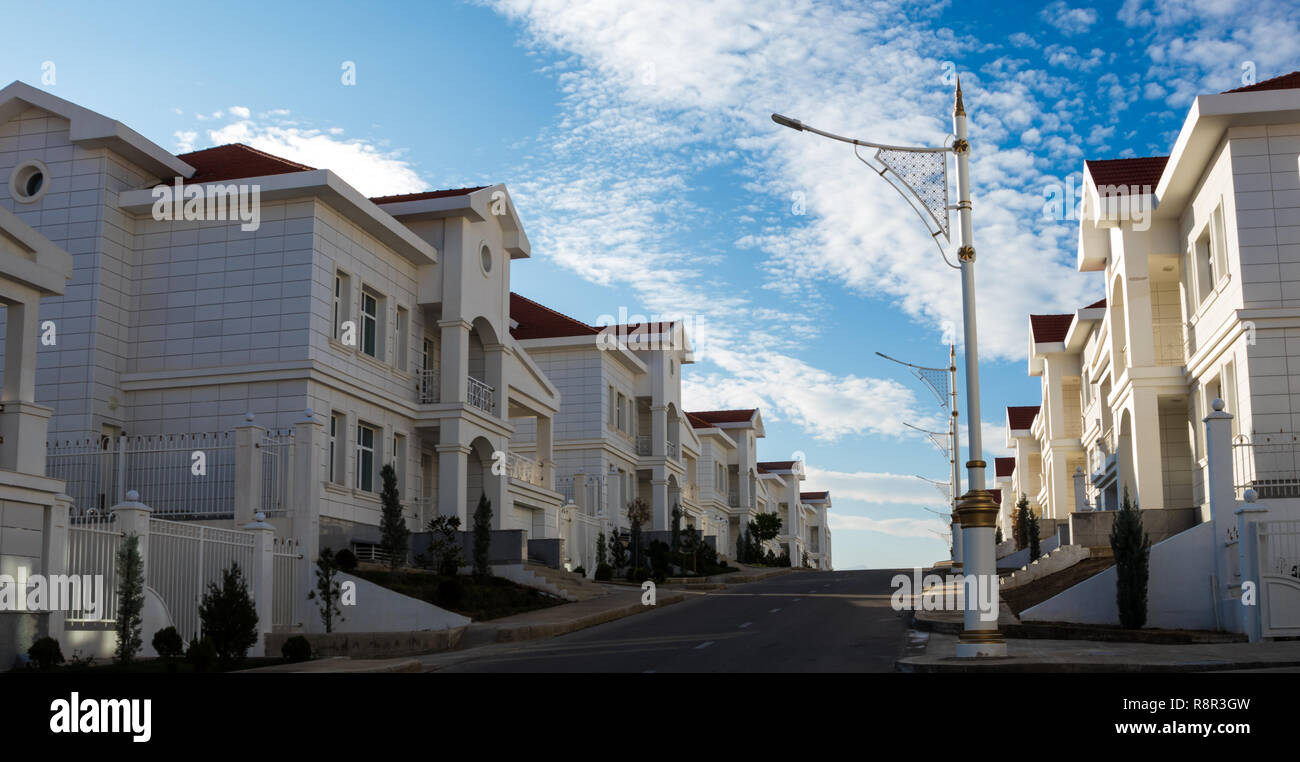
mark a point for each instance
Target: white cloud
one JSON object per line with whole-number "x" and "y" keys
{"x": 897, "y": 527}
{"x": 1067, "y": 20}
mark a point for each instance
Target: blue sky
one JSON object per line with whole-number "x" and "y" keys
{"x": 635, "y": 138}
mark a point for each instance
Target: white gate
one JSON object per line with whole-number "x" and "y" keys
{"x": 580, "y": 545}
{"x": 1279, "y": 578}
{"x": 286, "y": 608}
{"x": 93, "y": 542}
{"x": 184, "y": 557}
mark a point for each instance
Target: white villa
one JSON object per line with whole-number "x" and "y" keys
{"x": 1198, "y": 254}
{"x": 224, "y": 366}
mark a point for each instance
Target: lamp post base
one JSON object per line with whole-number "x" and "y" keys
{"x": 980, "y": 643}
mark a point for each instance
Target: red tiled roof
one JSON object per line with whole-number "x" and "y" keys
{"x": 1099, "y": 303}
{"x": 236, "y": 160}
{"x": 777, "y": 465}
{"x": 724, "y": 416}
{"x": 813, "y": 495}
{"x": 1144, "y": 171}
{"x": 1050, "y": 328}
{"x": 1021, "y": 417}
{"x": 997, "y": 496}
{"x": 1004, "y": 466}
{"x": 425, "y": 195}
{"x": 698, "y": 422}
{"x": 538, "y": 322}
{"x": 1284, "y": 82}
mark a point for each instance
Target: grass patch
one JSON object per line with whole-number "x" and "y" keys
{"x": 492, "y": 599}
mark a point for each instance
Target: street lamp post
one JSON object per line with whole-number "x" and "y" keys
{"x": 916, "y": 175}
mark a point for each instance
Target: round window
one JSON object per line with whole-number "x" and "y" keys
{"x": 29, "y": 181}
{"x": 485, "y": 258}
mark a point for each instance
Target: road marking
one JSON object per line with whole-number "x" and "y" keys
{"x": 705, "y": 644}
{"x": 773, "y": 611}
{"x": 746, "y": 624}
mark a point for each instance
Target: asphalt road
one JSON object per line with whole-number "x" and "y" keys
{"x": 797, "y": 622}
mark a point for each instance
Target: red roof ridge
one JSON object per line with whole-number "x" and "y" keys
{"x": 1099, "y": 303}
{"x": 237, "y": 160}
{"x": 549, "y": 325}
{"x": 1139, "y": 171}
{"x": 1283, "y": 82}
{"x": 1050, "y": 328}
{"x": 1021, "y": 417}
{"x": 423, "y": 195}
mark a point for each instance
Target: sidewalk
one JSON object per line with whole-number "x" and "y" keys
{"x": 1042, "y": 655}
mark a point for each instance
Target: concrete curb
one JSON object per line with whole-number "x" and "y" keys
{"x": 343, "y": 664}
{"x": 926, "y": 665}
{"x": 1070, "y": 631}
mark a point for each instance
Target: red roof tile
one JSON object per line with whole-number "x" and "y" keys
{"x": 813, "y": 495}
{"x": 725, "y": 416}
{"x": 777, "y": 465}
{"x": 236, "y": 160}
{"x": 1050, "y": 328}
{"x": 1284, "y": 82}
{"x": 1004, "y": 466}
{"x": 997, "y": 496}
{"x": 698, "y": 422}
{"x": 1099, "y": 303}
{"x": 1021, "y": 417}
{"x": 425, "y": 195}
{"x": 1144, "y": 171}
{"x": 538, "y": 322}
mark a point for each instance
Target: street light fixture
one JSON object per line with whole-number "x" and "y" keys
{"x": 920, "y": 174}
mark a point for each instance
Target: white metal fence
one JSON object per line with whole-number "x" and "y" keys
{"x": 93, "y": 542}
{"x": 583, "y": 536}
{"x": 286, "y": 608}
{"x": 277, "y": 472}
{"x": 480, "y": 395}
{"x": 1279, "y": 583}
{"x": 184, "y": 558}
{"x": 1268, "y": 464}
{"x": 525, "y": 469}
{"x": 427, "y": 386}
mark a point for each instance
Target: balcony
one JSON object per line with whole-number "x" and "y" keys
{"x": 525, "y": 469}
{"x": 1268, "y": 464}
{"x": 427, "y": 385}
{"x": 480, "y": 395}
{"x": 643, "y": 445}
{"x": 674, "y": 451}
{"x": 733, "y": 499}
{"x": 691, "y": 493}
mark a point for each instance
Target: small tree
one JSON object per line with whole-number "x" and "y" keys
{"x": 1032, "y": 532}
{"x": 130, "y": 598}
{"x": 1132, "y": 548}
{"x": 677, "y": 528}
{"x": 600, "y": 549}
{"x": 997, "y": 536}
{"x": 638, "y": 513}
{"x": 1022, "y": 523}
{"x": 445, "y": 554}
{"x": 228, "y": 616}
{"x": 482, "y": 538}
{"x": 617, "y": 553}
{"x": 328, "y": 590}
{"x": 395, "y": 535}
{"x": 765, "y": 527}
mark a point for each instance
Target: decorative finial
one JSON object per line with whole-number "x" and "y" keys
{"x": 1250, "y": 496}
{"x": 132, "y": 496}
{"x": 960, "y": 108}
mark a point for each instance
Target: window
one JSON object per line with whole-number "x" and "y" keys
{"x": 613, "y": 414}
{"x": 622, "y": 413}
{"x": 369, "y": 323}
{"x": 485, "y": 259}
{"x": 1229, "y": 376}
{"x": 336, "y": 448}
{"x": 1219, "y": 244}
{"x": 342, "y": 297}
{"x": 29, "y": 182}
{"x": 365, "y": 457}
{"x": 426, "y": 355}
{"x": 403, "y": 320}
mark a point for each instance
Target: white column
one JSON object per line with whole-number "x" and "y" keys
{"x": 1080, "y": 494}
{"x": 54, "y": 555}
{"x": 1248, "y": 617}
{"x": 261, "y": 578}
{"x": 132, "y": 518}
{"x": 248, "y": 469}
{"x": 1222, "y": 500}
{"x": 309, "y": 451}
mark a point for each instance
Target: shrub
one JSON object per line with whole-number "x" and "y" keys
{"x": 396, "y": 537}
{"x": 765, "y": 526}
{"x": 450, "y": 592}
{"x": 296, "y": 648}
{"x": 346, "y": 560}
{"x": 228, "y": 616}
{"x": 997, "y": 536}
{"x": 638, "y": 575}
{"x": 617, "y": 553}
{"x": 201, "y": 654}
{"x": 46, "y": 653}
{"x": 1035, "y": 550}
{"x": 658, "y": 552}
{"x": 328, "y": 590}
{"x": 600, "y": 549}
{"x": 1132, "y": 548}
{"x": 445, "y": 554}
{"x": 581, "y": 570}
{"x": 130, "y": 599}
{"x": 604, "y": 572}
{"x": 1021, "y": 527}
{"x": 168, "y": 643}
{"x": 482, "y": 538}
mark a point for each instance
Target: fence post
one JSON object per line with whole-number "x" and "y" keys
{"x": 248, "y": 469}
{"x": 132, "y": 517}
{"x": 1248, "y": 617}
{"x": 1080, "y": 495}
{"x": 1222, "y": 500}
{"x": 262, "y": 578}
{"x": 54, "y": 557}
{"x": 305, "y": 509}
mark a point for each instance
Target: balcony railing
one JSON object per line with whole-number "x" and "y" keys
{"x": 674, "y": 451}
{"x": 428, "y": 385}
{"x": 691, "y": 493}
{"x": 733, "y": 499}
{"x": 480, "y": 395}
{"x": 643, "y": 445}
{"x": 525, "y": 469}
{"x": 1268, "y": 464}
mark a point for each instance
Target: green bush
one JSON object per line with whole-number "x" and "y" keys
{"x": 581, "y": 571}
{"x": 658, "y": 552}
{"x": 296, "y": 648}
{"x": 482, "y": 538}
{"x": 604, "y": 572}
{"x": 201, "y": 654}
{"x": 638, "y": 575}
{"x": 228, "y": 616}
{"x": 46, "y": 653}
{"x": 451, "y": 592}
{"x": 130, "y": 598}
{"x": 346, "y": 560}
{"x": 168, "y": 643}
{"x": 1132, "y": 548}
